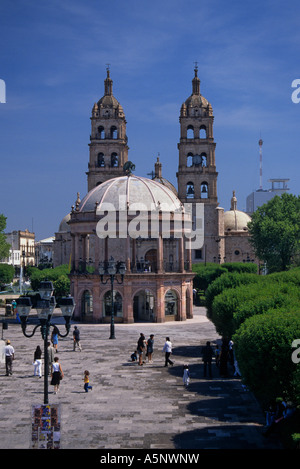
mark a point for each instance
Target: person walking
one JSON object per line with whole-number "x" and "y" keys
{"x": 76, "y": 338}
{"x": 37, "y": 362}
{"x": 56, "y": 375}
{"x": 86, "y": 380}
{"x": 54, "y": 338}
{"x": 207, "y": 354}
{"x": 167, "y": 349}
{"x": 150, "y": 347}
{"x": 9, "y": 357}
{"x": 186, "y": 375}
{"x": 51, "y": 354}
{"x": 140, "y": 347}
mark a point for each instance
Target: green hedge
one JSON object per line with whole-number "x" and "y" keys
{"x": 58, "y": 275}
{"x": 227, "y": 280}
{"x": 263, "y": 347}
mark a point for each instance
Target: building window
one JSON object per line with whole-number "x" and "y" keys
{"x": 204, "y": 190}
{"x": 189, "y": 160}
{"x": 101, "y": 132}
{"x": 100, "y": 160}
{"x": 118, "y": 304}
{"x": 113, "y": 132}
{"x": 114, "y": 160}
{"x": 190, "y": 131}
{"x": 202, "y": 131}
{"x": 198, "y": 253}
{"x": 170, "y": 303}
{"x": 190, "y": 193}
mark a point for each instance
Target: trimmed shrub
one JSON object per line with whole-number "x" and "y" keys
{"x": 241, "y": 267}
{"x": 263, "y": 347}
{"x": 227, "y": 280}
{"x": 206, "y": 274}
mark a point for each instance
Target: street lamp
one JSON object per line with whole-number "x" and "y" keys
{"x": 112, "y": 269}
{"x": 45, "y": 308}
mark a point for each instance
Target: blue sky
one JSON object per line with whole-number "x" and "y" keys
{"x": 53, "y": 58}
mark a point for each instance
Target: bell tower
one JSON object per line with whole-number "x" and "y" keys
{"x": 108, "y": 140}
{"x": 197, "y": 175}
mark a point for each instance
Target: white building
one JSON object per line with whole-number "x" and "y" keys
{"x": 260, "y": 197}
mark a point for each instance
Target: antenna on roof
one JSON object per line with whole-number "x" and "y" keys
{"x": 260, "y": 142}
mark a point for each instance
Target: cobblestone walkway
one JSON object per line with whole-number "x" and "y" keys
{"x": 131, "y": 406}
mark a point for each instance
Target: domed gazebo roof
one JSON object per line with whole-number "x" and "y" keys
{"x": 124, "y": 191}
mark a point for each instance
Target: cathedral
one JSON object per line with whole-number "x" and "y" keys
{"x": 156, "y": 248}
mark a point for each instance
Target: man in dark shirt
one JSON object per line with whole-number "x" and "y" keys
{"x": 207, "y": 354}
{"x": 76, "y": 338}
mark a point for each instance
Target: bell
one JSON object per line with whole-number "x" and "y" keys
{"x": 204, "y": 189}
{"x": 190, "y": 190}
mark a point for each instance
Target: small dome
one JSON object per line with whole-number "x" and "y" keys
{"x": 124, "y": 191}
{"x": 64, "y": 226}
{"x": 235, "y": 220}
{"x": 166, "y": 183}
{"x": 196, "y": 100}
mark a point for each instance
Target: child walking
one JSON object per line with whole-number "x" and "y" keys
{"x": 86, "y": 380}
{"x": 186, "y": 375}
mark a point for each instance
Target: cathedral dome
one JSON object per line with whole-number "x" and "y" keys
{"x": 64, "y": 226}
{"x": 124, "y": 191}
{"x": 235, "y": 220}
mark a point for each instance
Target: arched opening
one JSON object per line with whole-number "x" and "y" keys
{"x": 107, "y": 304}
{"x": 190, "y": 132}
{"x": 171, "y": 304}
{"x": 143, "y": 306}
{"x": 203, "y": 131}
{"x": 100, "y": 160}
{"x": 203, "y": 159}
{"x": 204, "y": 190}
{"x": 114, "y": 160}
{"x": 190, "y": 192}
{"x": 151, "y": 260}
{"x": 113, "y": 132}
{"x": 101, "y": 132}
{"x": 86, "y": 306}
{"x": 189, "y": 159}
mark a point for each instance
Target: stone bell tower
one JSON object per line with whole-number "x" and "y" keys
{"x": 108, "y": 140}
{"x": 197, "y": 175}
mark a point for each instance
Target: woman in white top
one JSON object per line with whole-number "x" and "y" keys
{"x": 56, "y": 374}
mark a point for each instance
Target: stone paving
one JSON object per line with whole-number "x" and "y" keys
{"x": 131, "y": 406}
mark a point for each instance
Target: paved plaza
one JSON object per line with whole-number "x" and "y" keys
{"x": 131, "y": 406}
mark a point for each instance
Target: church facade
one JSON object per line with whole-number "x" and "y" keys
{"x": 157, "y": 285}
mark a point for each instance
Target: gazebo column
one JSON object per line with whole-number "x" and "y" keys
{"x": 127, "y": 301}
{"x": 160, "y": 254}
{"x": 181, "y": 254}
{"x": 97, "y": 252}
{"x": 127, "y": 256}
{"x": 160, "y": 301}
{"x": 76, "y": 251}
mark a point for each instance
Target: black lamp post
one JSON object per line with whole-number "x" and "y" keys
{"x": 45, "y": 308}
{"x": 112, "y": 269}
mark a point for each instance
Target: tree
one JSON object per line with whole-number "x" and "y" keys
{"x": 4, "y": 246}
{"x": 275, "y": 231}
